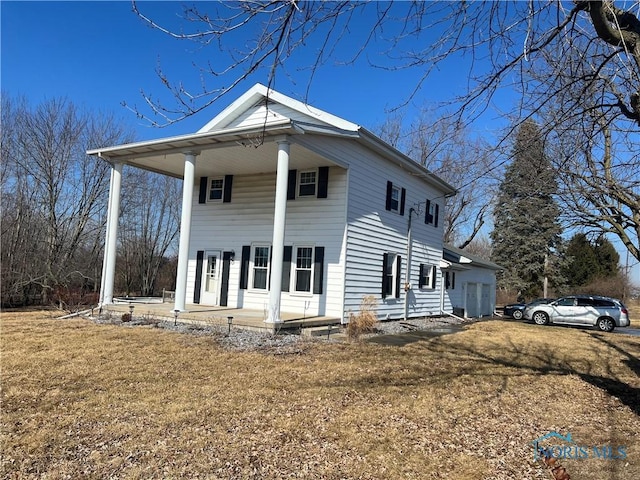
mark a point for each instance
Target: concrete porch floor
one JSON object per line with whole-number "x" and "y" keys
{"x": 209, "y": 315}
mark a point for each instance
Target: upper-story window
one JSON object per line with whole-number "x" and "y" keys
{"x": 395, "y": 198}
{"x": 216, "y": 189}
{"x": 307, "y": 183}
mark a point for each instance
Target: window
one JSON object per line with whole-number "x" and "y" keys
{"x": 307, "y": 184}
{"x": 216, "y": 189}
{"x": 391, "y": 265}
{"x": 260, "y": 267}
{"x": 566, "y": 302}
{"x": 450, "y": 280}
{"x": 395, "y": 199}
{"x": 432, "y": 212}
{"x": 427, "y": 276}
{"x": 304, "y": 266}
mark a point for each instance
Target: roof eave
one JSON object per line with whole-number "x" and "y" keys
{"x": 193, "y": 141}
{"x": 404, "y": 161}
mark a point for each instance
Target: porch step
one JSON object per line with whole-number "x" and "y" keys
{"x": 321, "y": 331}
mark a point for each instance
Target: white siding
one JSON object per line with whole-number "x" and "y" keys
{"x": 372, "y": 231}
{"x": 248, "y": 219}
{"x": 259, "y": 115}
{"x": 475, "y": 292}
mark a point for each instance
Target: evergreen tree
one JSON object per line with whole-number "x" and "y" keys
{"x": 608, "y": 258}
{"x": 587, "y": 261}
{"x": 582, "y": 261}
{"x": 527, "y": 231}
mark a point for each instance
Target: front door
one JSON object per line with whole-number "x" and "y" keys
{"x": 211, "y": 279}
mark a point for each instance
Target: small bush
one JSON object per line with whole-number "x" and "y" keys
{"x": 365, "y": 320}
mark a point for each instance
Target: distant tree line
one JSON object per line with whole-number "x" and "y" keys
{"x": 54, "y": 200}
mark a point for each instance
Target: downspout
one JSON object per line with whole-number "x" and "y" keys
{"x": 407, "y": 275}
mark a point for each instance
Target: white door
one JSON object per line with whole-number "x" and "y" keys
{"x": 472, "y": 303}
{"x": 211, "y": 279}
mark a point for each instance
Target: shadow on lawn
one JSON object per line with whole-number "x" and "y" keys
{"x": 461, "y": 359}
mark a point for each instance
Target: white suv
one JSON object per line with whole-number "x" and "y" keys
{"x": 603, "y": 312}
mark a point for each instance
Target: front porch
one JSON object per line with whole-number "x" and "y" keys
{"x": 242, "y": 318}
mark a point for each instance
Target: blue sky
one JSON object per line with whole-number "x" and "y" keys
{"x": 100, "y": 54}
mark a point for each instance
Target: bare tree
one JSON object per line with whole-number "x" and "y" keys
{"x": 448, "y": 149}
{"x": 544, "y": 50}
{"x": 149, "y": 228}
{"x": 53, "y": 197}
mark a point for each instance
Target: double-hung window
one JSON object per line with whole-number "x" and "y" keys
{"x": 396, "y": 197}
{"x": 216, "y": 189}
{"x": 304, "y": 269}
{"x": 391, "y": 264}
{"x": 394, "y": 206}
{"x": 307, "y": 183}
{"x": 427, "y": 277}
{"x": 260, "y": 267}
{"x": 450, "y": 280}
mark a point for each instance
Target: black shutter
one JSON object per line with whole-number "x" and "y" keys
{"x": 198, "y": 283}
{"x": 318, "y": 270}
{"x": 224, "y": 285}
{"x": 389, "y": 190}
{"x": 228, "y": 184}
{"x": 385, "y": 260}
{"x": 435, "y": 221}
{"x": 244, "y": 267}
{"x": 421, "y": 277}
{"x": 402, "y": 199}
{"x": 433, "y": 276}
{"x": 269, "y": 269}
{"x": 286, "y": 268}
{"x": 398, "y": 276}
{"x": 453, "y": 280}
{"x": 323, "y": 182}
{"x": 291, "y": 185}
{"x": 204, "y": 186}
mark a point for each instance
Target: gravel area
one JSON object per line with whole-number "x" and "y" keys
{"x": 281, "y": 343}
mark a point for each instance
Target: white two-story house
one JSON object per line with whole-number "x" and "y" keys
{"x": 287, "y": 208}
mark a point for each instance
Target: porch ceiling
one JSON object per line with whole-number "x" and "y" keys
{"x": 228, "y": 152}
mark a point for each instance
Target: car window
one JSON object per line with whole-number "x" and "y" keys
{"x": 566, "y": 302}
{"x": 586, "y": 302}
{"x": 601, "y": 302}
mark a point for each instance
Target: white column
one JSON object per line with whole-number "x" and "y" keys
{"x": 277, "y": 246}
{"x": 185, "y": 229}
{"x": 106, "y": 250}
{"x": 109, "y": 263}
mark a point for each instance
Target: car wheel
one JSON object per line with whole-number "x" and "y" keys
{"x": 517, "y": 314}
{"x": 540, "y": 318}
{"x": 606, "y": 324}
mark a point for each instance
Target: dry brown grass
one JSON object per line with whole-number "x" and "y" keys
{"x": 365, "y": 320}
{"x": 81, "y": 400}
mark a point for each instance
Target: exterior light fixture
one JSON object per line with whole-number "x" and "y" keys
{"x": 131, "y": 307}
{"x": 175, "y": 317}
{"x": 229, "y": 322}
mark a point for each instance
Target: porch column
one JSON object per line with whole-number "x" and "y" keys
{"x": 277, "y": 246}
{"x": 113, "y": 213}
{"x": 185, "y": 229}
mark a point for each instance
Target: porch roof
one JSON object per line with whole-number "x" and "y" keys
{"x": 252, "y": 149}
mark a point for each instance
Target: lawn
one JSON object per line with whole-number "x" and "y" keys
{"x": 81, "y": 400}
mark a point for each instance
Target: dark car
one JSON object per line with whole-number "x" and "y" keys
{"x": 516, "y": 310}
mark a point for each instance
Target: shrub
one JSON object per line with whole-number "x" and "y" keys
{"x": 365, "y": 320}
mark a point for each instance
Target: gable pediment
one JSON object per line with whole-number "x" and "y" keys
{"x": 260, "y": 106}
